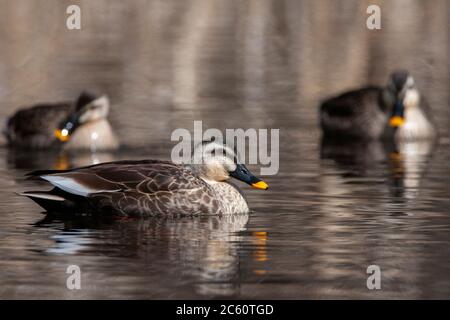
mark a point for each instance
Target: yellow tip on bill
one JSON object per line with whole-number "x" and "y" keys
{"x": 62, "y": 135}
{"x": 396, "y": 121}
{"x": 397, "y": 156}
{"x": 260, "y": 185}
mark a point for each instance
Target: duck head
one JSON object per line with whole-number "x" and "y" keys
{"x": 87, "y": 108}
{"x": 216, "y": 162}
{"x": 402, "y": 90}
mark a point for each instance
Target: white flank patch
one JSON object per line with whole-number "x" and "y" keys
{"x": 69, "y": 185}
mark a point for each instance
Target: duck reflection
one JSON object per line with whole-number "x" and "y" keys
{"x": 372, "y": 190}
{"x": 55, "y": 160}
{"x": 405, "y": 161}
{"x": 359, "y": 154}
{"x": 370, "y": 164}
{"x": 204, "y": 248}
{"x": 409, "y": 162}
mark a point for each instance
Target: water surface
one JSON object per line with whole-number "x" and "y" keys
{"x": 330, "y": 212}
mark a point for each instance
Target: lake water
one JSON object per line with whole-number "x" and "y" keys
{"x": 330, "y": 211}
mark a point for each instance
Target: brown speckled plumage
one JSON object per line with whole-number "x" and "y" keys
{"x": 141, "y": 188}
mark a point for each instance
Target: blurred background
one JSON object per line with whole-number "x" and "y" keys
{"x": 248, "y": 63}
{"x": 231, "y": 64}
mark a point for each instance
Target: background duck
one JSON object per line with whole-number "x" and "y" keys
{"x": 82, "y": 124}
{"x": 396, "y": 111}
{"x": 151, "y": 187}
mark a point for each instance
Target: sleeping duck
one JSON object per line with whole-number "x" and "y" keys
{"x": 82, "y": 124}
{"x": 396, "y": 111}
{"x": 151, "y": 187}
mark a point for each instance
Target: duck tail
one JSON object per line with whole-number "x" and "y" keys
{"x": 54, "y": 200}
{"x": 46, "y": 199}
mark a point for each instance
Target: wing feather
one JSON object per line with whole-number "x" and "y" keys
{"x": 145, "y": 177}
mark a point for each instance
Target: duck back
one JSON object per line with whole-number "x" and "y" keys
{"x": 33, "y": 127}
{"x": 359, "y": 114}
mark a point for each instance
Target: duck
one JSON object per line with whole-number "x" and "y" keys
{"x": 81, "y": 124}
{"x": 397, "y": 111}
{"x": 146, "y": 188}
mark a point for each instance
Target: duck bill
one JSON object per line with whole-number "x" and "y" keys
{"x": 62, "y": 135}
{"x": 66, "y": 128}
{"x": 243, "y": 174}
{"x": 397, "y": 119}
{"x": 260, "y": 185}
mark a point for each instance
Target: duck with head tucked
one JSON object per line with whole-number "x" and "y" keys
{"x": 397, "y": 111}
{"x": 81, "y": 124}
{"x": 151, "y": 187}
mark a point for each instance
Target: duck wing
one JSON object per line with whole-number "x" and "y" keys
{"x": 132, "y": 187}
{"x": 351, "y": 113}
{"x": 34, "y": 126}
{"x": 144, "y": 176}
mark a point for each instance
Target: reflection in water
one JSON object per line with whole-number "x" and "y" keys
{"x": 409, "y": 163}
{"x": 260, "y": 251}
{"x": 205, "y": 247}
{"x": 55, "y": 160}
{"x": 313, "y": 235}
{"x": 405, "y": 161}
{"x": 70, "y": 242}
{"x": 402, "y": 164}
{"x": 358, "y": 153}
{"x": 371, "y": 186}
